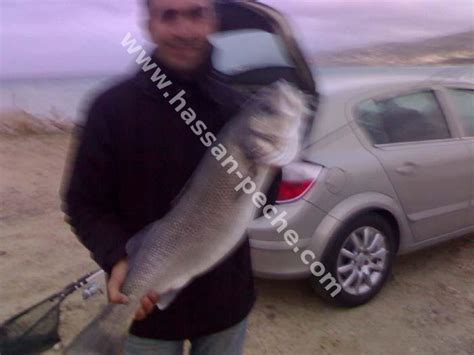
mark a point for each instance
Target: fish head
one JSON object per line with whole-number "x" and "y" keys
{"x": 274, "y": 124}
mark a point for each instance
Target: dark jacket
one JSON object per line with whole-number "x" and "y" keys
{"x": 135, "y": 155}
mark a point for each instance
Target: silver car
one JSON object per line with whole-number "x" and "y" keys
{"x": 387, "y": 168}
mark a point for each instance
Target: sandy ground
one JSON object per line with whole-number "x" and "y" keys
{"x": 427, "y": 307}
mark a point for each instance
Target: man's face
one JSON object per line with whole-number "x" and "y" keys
{"x": 180, "y": 29}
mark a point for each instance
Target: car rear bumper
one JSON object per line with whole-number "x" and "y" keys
{"x": 276, "y": 260}
{"x": 273, "y": 257}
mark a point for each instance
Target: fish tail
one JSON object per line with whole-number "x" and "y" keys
{"x": 105, "y": 334}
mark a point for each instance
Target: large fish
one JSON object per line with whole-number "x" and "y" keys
{"x": 210, "y": 217}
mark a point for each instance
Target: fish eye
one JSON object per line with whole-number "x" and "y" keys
{"x": 268, "y": 108}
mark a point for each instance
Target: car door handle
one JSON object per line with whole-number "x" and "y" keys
{"x": 407, "y": 168}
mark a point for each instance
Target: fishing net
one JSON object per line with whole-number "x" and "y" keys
{"x": 36, "y": 329}
{"x": 33, "y": 330}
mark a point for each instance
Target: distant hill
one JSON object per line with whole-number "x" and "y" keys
{"x": 451, "y": 49}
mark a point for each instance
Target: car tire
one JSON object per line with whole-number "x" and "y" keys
{"x": 360, "y": 258}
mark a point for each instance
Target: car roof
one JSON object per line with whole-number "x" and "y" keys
{"x": 340, "y": 81}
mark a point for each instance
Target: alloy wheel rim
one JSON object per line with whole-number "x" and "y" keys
{"x": 362, "y": 260}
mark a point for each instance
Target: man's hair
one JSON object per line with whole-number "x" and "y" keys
{"x": 148, "y": 2}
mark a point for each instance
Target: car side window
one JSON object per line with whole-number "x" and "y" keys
{"x": 464, "y": 102}
{"x": 368, "y": 117}
{"x": 407, "y": 118}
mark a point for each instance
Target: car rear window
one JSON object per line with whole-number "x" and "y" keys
{"x": 464, "y": 102}
{"x": 407, "y": 118}
{"x": 243, "y": 50}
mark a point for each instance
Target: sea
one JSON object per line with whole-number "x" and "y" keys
{"x": 68, "y": 98}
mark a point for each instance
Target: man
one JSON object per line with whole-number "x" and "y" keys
{"x": 134, "y": 157}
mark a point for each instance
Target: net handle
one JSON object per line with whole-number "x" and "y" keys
{"x": 84, "y": 280}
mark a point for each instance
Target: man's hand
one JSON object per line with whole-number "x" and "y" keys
{"x": 114, "y": 286}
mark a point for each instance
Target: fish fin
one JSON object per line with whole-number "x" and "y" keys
{"x": 166, "y": 299}
{"x": 105, "y": 334}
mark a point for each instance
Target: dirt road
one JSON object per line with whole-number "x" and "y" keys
{"x": 427, "y": 307}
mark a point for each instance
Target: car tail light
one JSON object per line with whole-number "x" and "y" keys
{"x": 298, "y": 179}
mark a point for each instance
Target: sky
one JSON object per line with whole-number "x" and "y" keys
{"x": 79, "y": 37}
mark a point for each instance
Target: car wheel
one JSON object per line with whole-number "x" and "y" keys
{"x": 360, "y": 258}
